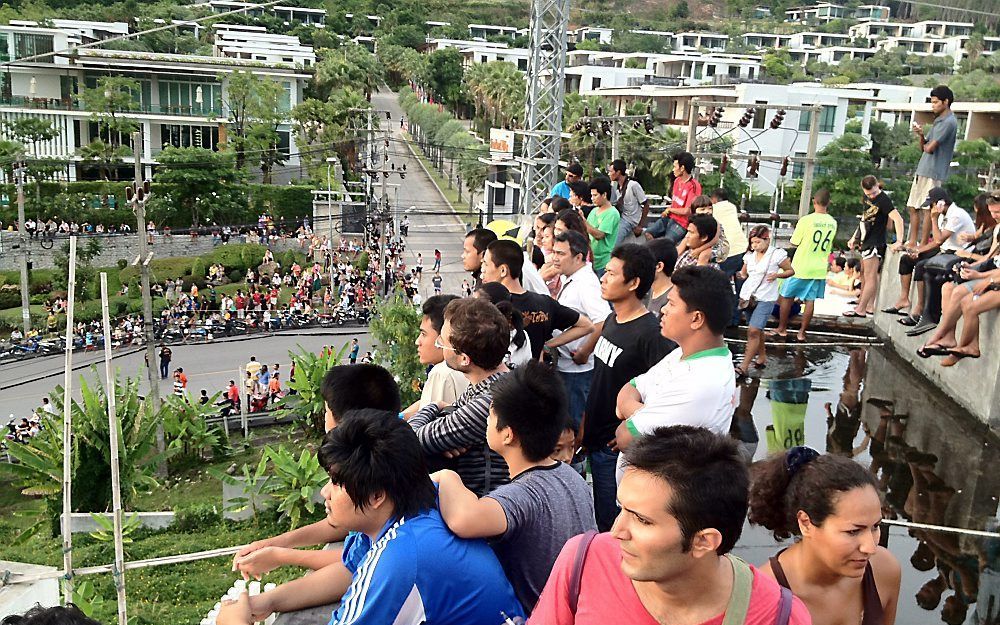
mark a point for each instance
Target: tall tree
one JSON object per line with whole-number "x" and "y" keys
{"x": 107, "y": 102}
{"x": 203, "y": 183}
{"x": 253, "y": 104}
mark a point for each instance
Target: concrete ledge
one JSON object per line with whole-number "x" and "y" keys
{"x": 19, "y": 598}
{"x": 971, "y": 383}
{"x": 84, "y": 522}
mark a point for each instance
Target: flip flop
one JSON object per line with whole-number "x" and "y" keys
{"x": 759, "y": 365}
{"x": 908, "y": 321}
{"x": 933, "y": 350}
{"x": 801, "y": 340}
{"x": 853, "y": 314}
{"x": 959, "y": 354}
{"x": 893, "y": 310}
{"x": 774, "y": 335}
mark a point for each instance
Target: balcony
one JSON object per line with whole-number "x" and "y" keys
{"x": 65, "y": 104}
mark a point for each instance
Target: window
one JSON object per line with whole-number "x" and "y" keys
{"x": 181, "y": 97}
{"x": 827, "y": 119}
{"x": 596, "y": 83}
{"x": 4, "y": 51}
{"x": 709, "y": 70}
{"x": 699, "y": 69}
{"x": 26, "y": 44}
{"x": 285, "y": 99}
{"x": 734, "y": 71}
{"x": 5, "y": 91}
{"x": 798, "y": 169}
{"x": 759, "y": 116}
{"x": 179, "y": 136}
{"x": 522, "y": 64}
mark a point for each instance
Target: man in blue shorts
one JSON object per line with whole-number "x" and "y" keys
{"x": 813, "y": 241}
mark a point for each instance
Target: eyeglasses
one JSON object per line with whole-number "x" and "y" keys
{"x": 438, "y": 344}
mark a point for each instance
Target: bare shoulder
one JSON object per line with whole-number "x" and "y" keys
{"x": 886, "y": 568}
{"x": 765, "y": 568}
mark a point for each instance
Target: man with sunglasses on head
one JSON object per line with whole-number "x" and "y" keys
{"x": 574, "y": 173}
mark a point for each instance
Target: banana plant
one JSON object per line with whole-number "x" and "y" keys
{"x": 186, "y": 428}
{"x": 252, "y": 481}
{"x": 106, "y": 533}
{"x": 294, "y": 482}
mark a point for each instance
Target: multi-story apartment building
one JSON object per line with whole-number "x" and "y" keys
{"x": 819, "y": 13}
{"x": 181, "y": 100}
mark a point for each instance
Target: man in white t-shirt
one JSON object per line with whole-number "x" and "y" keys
{"x": 443, "y": 384}
{"x": 580, "y": 289}
{"x": 694, "y": 384}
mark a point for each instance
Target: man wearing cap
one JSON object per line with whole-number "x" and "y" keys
{"x": 948, "y": 223}
{"x": 937, "y": 148}
{"x": 574, "y": 173}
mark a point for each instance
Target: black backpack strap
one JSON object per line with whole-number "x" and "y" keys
{"x": 577, "y": 574}
{"x": 784, "y": 607}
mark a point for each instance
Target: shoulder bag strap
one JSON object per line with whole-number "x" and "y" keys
{"x": 739, "y": 600}
{"x": 577, "y": 575}
{"x": 784, "y": 607}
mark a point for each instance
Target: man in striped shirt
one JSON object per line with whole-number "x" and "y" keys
{"x": 474, "y": 337}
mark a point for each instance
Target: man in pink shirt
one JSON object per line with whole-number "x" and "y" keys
{"x": 674, "y": 221}
{"x": 684, "y": 500}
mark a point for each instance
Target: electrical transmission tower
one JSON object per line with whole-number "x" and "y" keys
{"x": 544, "y": 100}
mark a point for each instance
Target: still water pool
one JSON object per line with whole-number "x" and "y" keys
{"x": 934, "y": 463}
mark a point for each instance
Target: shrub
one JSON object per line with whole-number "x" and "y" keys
{"x": 122, "y": 263}
{"x": 199, "y": 269}
{"x": 195, "y": 517}
{"x": 236, "y": 275}
{"x": 10, "y": 298}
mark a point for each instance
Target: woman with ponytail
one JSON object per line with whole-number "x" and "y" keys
{"x": 831, "y": 506}
{"x": 497, "y": 294}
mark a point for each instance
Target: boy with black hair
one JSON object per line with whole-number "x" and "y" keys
{"x": 695, "y": 384}
{"x": 546, "y": 502}
{"x": 403, "y": 564}
{"x": 630, "y": 200}
{"x": 685, "y": 188}
{"x": 602, "y": 223}
{"x": 473, "y": 248}
{"x": 443, "y": 384}
{"x": 543, "y": 315}
{"x": 684, "y": 502}
{"x": 665, "y": 254}
{"x": 345, "y": 389}
{"x": 579, "y": 197}
{"x": 630, "y": 343}
{"x": 937, "y": 149}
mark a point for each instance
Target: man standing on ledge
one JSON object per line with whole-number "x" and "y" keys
{"x": 937, "y": 148}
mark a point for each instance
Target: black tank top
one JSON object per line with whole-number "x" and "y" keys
{"x": 872, "y": 614}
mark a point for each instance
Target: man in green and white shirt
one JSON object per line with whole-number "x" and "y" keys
{"x": 813, "y": 240}
{"x": 694, "y": 384}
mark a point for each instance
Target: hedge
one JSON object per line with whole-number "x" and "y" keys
{"x": 293, "y": 202}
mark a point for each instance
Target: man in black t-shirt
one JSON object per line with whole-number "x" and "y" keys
{"x": 502, "y": 263}
{"x": 629, "y": 345}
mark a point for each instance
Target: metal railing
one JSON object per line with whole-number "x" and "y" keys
{"x": 68, "y": 104}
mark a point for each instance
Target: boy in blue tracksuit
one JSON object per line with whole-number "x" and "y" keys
{"x": 406, "y": 567}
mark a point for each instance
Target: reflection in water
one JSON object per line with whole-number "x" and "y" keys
{"x": 934, "y": 463}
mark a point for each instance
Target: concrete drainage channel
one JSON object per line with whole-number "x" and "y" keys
{"x": 135, "y": 350}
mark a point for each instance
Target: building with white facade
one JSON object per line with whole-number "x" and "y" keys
{"x": 256, "y": 44}
{"x": 491, "y": 30}
{"x": 181, "y": 100}
{"x": 672, "y": 106}
{"x": 872, "y": 13}
{"x": 691, "y": 42}
{"x": 819, "y": 13}
{"x": 591, "y": 33}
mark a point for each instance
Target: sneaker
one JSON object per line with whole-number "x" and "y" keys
{"x": 920, "y": 328}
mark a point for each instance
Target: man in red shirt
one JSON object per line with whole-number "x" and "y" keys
{"x": 674, "y": 221}
{"x": 665, "y": 559}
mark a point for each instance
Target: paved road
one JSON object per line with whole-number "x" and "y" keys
{"x": 212, "y": 366}
{"x": 427, "y": 231}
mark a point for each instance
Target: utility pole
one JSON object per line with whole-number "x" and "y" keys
{"x": 601, "y": 124}
{"x": 383, "y": 214}
{"x": 23, "y": 256}
{"x": 140, "y": 195}
{"x": 805, "y": 200}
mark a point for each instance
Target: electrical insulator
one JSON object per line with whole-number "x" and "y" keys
{"x": 606, "y": 127}
{"x": 648, "y": 123}
{"x": 752, "y": 166}
{"x": 715, "y": 117}
{"x": 586, "y": 111}
{"x": 725, "y": 164}
{"x": 590, "y": 129}
{"x": 637, "y": 124}
{"x": 779, "y": 118}
{"x": 784, "y": 166}
{"x": 747, "y": 118}
{"x": 600, "y": 111}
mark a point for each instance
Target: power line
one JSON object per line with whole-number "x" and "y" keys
{"x": 214, "y": 16}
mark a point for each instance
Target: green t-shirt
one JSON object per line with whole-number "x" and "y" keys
{"x": 813, "y": 238}
{"x": 606, "y": 222}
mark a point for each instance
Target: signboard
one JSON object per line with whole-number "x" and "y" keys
{"x": 501, "y": 143}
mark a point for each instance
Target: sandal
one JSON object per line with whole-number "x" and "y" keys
{"x": 759, "y": 365}
{"x": 853, "y": 314}
{"x": 896, "y": 310}
{"x": 908, "y": 321}
{"x": 933, "y": 350}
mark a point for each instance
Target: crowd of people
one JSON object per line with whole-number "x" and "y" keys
{"x": 622, "y": 376}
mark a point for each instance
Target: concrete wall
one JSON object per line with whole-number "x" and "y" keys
{"x": 84, "y": 521}
{"x": 19, "y": 598}
{"x": 114, "y": 247}
{"x": 973, "y": 384}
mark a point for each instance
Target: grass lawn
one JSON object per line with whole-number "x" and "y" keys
{"x": 180, "y": 593}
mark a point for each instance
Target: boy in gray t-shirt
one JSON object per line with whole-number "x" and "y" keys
{"x": 938, "y": 148}
{"x": 546, "y": 502}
